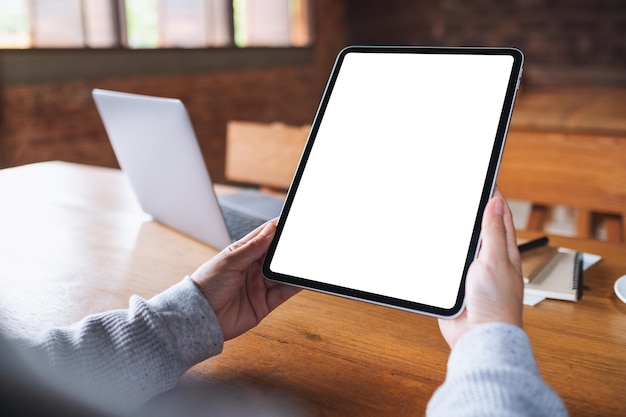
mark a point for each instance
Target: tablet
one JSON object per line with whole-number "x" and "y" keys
{"x": 387, "y": 200}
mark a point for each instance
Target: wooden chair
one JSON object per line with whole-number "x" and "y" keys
{"x": 264, "y": 154}
{"x": 567, "y": 146}
{"x": 584, "y": 172}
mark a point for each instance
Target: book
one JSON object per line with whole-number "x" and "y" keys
{"x": 534, "y": 260}
{"x": 561, "y": 278}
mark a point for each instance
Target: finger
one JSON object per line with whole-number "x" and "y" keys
{"x": 250, "y": 236}
{"x": 280, "y": 293}
{"x": 494, "y": 231}
{"x": 250, "y": 248}
{"x": 497, "y": 192}
{"x": 511, "y": 238}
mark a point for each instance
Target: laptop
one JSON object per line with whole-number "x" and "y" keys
{"x": 157, "y": 149}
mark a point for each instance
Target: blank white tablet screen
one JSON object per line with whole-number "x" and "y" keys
{"x": 389, "y": 195}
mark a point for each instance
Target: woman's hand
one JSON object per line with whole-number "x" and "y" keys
{"x": 234, "y": 285}
{"x": 494, "y": 288}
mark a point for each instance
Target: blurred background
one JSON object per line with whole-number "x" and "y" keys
{"x": 267, "y": 60}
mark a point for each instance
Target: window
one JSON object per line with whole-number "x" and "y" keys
{"x": 150, "y": 24}
{"x": 178, "y": 23}
{"x": 271, "y": 23}
{"x": 100, "y": 24}
{"x": 14, "y": 24}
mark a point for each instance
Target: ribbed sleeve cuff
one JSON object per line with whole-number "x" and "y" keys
{"x": 194, "y": 329}
{"x": 492, "y": 344}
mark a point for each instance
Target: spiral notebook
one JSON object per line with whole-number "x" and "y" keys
{"x": 534, "y": 260}
{"x": 561, "y": 278}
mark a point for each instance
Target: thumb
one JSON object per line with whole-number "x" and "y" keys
{"x": 494, "y": 234}
{"x": 499, "y": 238}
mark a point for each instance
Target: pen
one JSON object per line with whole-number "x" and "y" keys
{"x": 532, "y": 244}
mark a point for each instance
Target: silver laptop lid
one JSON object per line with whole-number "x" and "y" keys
{"x": 156, "y": 147}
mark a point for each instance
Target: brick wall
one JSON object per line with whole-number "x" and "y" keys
{"x": 58, "y": 121}
{"x": 565, "y": 42}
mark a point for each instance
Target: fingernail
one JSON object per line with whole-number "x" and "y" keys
{"x": 266, "y": 231}
{"x": 498, "y": 206}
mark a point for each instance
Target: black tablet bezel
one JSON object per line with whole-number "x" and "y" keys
{"x": 487, "y": 191}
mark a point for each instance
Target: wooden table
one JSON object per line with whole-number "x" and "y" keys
{"x": 73, "y": 241}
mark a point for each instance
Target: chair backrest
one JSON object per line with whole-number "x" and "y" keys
{"x": 585, "y": 172}
{"x": 264, "y": 154}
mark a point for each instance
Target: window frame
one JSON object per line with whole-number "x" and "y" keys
{"x": 34, "y": 65}
{"x": 301, "y": 33}
{"x": 24, "y": 66}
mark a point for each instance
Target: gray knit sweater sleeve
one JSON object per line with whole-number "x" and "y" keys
{"x": 492, "y": 372}
{"x": 125, "y": 357}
